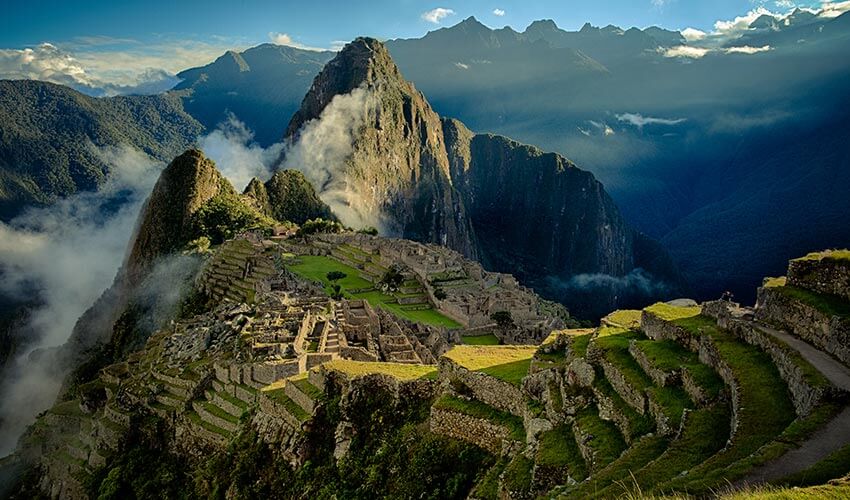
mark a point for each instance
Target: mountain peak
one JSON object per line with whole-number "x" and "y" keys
{"x": 542, "y": 25}
{"x": 362, "y": 61}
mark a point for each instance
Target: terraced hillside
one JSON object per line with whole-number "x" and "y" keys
{"x": 678, "y": 398}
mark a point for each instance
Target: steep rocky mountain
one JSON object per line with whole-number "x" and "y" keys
{"x": 259, "y": 86}
{"x": 433, "y": 180}
{"x": 50, "y": 135}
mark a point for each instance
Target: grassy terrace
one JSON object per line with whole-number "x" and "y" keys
{"x": 615, "y": 343}
{"x": 607, "y": 443}
{"x": 488, "y": 339}
{"x": 764, "y": 409}
{"x": 705, "y": 432}
{"x": 827, "y": 304}
{"x": 401, "y": 371}
{"x": 291, "y": 406}
{"x": 558, "y": 448}
{"x": 316, "y": 268}
{"x": 672, "y": 313}
{"x": 218, "y": 412}
{"x": 505, "y": 362}
{"x": 667, "y": 355}
{"x": 478, "y": 409}
{"x": 626, "y": 318}
{"x": 813, "y": 493}
{"x": 673, "y": 401}
{"x": 196, "y": 419}
{"x": 828, "y": 255}
{"x": 620, "y": 470}
{"x": 638, "y": 424}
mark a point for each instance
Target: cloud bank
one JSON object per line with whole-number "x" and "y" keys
{"x": 231, "y": 146}
{"x": 322, "y": 151}
{"x": 639, "y": 121}
{"x": 66, "y": 254}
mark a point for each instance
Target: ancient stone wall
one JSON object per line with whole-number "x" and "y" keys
{"x": 474, "y": 430}
{"x": 487, "y": 389}
{"x": 830, "y": 276}
{"x": 830, "y": 333}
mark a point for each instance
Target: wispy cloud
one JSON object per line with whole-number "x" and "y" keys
{"x": 111, "y": 66}
{"x": 460, "y": 65}
{"x": 437, "y": 15}
{"x": 685, "y": 51}
{"x": 746, "y": 49}
{"x": 639, "y": 121}
{"x": 498, "y": 12}
{"x": 285, "y": 39}
{"x": 834, "y": 9}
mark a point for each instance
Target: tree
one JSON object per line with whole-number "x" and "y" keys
{"x": 336, "y": 294}
{"x": 504, "y": 319}
{"x": 440, "y": 294}
{"x": 336, "y": 275}
{"x": 392, "y": 279}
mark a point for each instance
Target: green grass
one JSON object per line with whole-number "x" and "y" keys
{"x": 504, "y": 362}
{"x": 835, "y": 465}
{"x": 667, "y": 355}
{"x": 705, "y": 432}
{"x": 580, "y": 343}
{"x": 316, "y": 268}
{"x": 607, "y": 442}
{"x": 830, "y": 305}
{"x": 765, "y": 408}
{"x": 232, "y": 400}
{"x": 488, "y": 487}
{"x": 673, "y": 401}
{"x": 827, "y": 254}
{"x": 671, "y": 313}
{"x": 306, "y": 387}
{"x": 518, "y": 475}
{"x": 823, "y": 492}
{"x": 480, "y": 410}
{"x": 488, "y": 339}
{"x": 620, "y": 470}
{"x": 218, "y": 412}
{"x": 774, "y": 282}
{"x": 638, "y": 424}
{"x": 68, "y": 408}
{"x": 401, "y": 371}
{"x": 195, "y": 418}
{"x": 626, "y": 318}
{"x": 558, "y": 448}
{"x": 291, "y": 406}
{"x": 616, "y": 348}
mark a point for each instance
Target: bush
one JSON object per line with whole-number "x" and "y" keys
{"x": 315, "y": 226}
{"x": 440, "y": 294}
{"x": 224, "y": 216}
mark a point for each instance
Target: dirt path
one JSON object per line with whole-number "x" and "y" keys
{"x": 832, "y": 436}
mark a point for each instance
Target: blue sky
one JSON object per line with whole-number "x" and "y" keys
{"x": 125, "y": 42}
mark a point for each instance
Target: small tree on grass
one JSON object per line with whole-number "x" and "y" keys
{"x": 335, "y": 276}
{"x": 392, "y": 279}
{"x": 504, "y": 319}
{"x": 440, "y": 294}
{"x": 336, "y": 294}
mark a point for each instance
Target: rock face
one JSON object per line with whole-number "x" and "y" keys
{"x": 511, "y": 206}
{"x": 288, "y": 196}
{"x": 183, "y": 187}
{"x": 398, "y": 163}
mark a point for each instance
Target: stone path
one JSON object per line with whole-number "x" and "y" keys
{"x": 832, "y": 436}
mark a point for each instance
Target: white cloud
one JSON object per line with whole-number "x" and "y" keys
{"x": 834, "y": 9}
{"x": 437, "y": 15}
{"x": 498, "y": 12}
{"x": 685, "y": 51}
{"x": 746, "y": 49}
{"x": 603, "y": 128}
{"x": 107, "y": 66}
{"x": 236, "y": 155}
{"x": 461, "y": 65}
{"x": 785, "y": 4}
{"x": 639, "y": 121}
{"x": 742, "y": 23}
{"x": 693, "y": 34}
{"x": 66, "y": 255}
{"x": 285, "y": 39}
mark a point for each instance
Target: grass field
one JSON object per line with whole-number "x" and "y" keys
{"x": 488, "y": 339}
{"x": 401, "y": 371}
{"x": 505, "y": 362}
{"x": 316, "y": 268}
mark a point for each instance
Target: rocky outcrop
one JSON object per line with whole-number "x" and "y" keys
{"x": 288, "y": 196}
{"x": 182, "y": 189}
